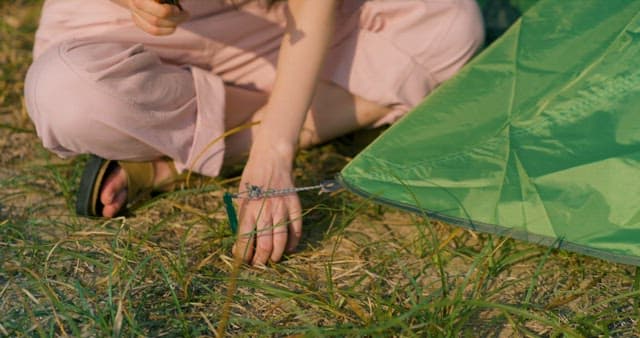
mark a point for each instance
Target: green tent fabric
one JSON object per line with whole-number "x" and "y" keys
{"x": 538, "y": 138}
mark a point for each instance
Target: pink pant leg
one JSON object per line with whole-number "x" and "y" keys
{"x": 119, "y": 101}
{"x": 395, "y": 53}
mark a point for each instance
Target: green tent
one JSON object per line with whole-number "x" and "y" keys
{"x": 538, "y": 138}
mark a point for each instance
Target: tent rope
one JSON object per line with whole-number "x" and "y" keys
{"x": 254, "y": 192}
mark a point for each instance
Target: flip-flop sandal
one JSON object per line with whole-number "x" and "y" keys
{"x": 140, "y": 176}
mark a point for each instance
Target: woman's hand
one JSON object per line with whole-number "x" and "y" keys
{"x": 156, "y": 18}
{"x": 271, "y": 226}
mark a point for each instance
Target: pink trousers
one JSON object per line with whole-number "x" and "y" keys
{"x": 100, "y": 85}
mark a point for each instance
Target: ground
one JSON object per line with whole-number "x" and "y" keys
{"x": 362, "y": 269}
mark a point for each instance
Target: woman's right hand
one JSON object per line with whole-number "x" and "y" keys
{"x": 156, "y": 18}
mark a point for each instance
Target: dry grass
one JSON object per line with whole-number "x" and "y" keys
{"x": 363, "y": 270}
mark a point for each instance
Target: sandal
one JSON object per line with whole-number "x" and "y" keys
{"x": 140, "y": 176}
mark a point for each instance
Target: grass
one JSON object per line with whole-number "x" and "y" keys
{"x": 362, "y": 270}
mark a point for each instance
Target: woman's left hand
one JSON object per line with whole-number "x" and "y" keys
{"x": 270, "y": 226}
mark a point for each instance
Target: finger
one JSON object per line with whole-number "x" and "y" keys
{"x": 149, "y": 28}
{"x": 280, "y": 233}
{"x": 295, "y": 224}
{"x": 243, "y": 247}
{"x": 264, "y": 233}
{"x": 156, "y": 21}
{"x": 154, "y": 8}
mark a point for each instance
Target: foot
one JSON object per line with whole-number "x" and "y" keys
{"x": 113, "y": 194}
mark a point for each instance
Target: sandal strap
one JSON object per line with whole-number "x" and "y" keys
{"x": 140, "y": 177}
{"x": 171, "y": 182}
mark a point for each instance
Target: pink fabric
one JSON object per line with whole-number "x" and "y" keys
{"x": 100, "y": 85}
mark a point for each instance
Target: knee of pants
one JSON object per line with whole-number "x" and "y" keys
{"x": 73, "y": 111}
{"x": 463, "y": 40}
{"x": 56, "y": 102}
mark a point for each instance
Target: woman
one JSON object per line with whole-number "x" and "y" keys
{"x": 155, "y": 86}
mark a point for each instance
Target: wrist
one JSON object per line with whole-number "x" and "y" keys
{"x": 285, "y": 149}
{"x": 272, "y": 138}
{"x": 282, "y": 150}
{"x": 266, "y": 151}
